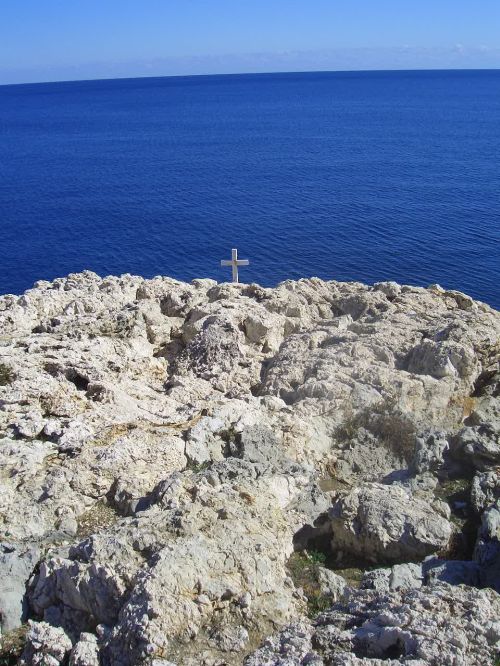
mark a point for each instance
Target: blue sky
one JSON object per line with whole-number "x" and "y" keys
{"x": 47, "y": 40}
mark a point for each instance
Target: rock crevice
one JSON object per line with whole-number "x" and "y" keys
{"x": 165, "y": 447}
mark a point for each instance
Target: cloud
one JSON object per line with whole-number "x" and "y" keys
{"x": 457, "y": 56}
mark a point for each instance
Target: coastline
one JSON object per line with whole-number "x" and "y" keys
{"x": 201, "y": 455}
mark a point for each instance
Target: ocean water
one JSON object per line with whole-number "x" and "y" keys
{"x": 351, "y": 176}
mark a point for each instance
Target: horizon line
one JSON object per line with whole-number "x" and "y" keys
{"x": 271, "y": 73}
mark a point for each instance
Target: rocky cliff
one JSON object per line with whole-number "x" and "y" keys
{"x": 224, "y": 474}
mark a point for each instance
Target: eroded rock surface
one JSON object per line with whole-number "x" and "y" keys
{"x": 388, "y": 524}
{"x": 165, "y": 446}
{"x": 442, "y": 625}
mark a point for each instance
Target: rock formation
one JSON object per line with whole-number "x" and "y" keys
{"x": 206, "y": 473}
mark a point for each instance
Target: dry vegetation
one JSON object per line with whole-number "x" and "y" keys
{"x": 12, "y": 645}
{"x": 6, "y": 375}
{"x": 393, "y": 428}
{"x": 97, "y": 518}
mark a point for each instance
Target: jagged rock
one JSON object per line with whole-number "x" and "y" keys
{"x": 486, "y": 408}
{"x": 364, "y": 459}
{"x": 204, "y": 441}
{"x": 266, "y": 331}
{"x": 45, "y": 645}
{"x": 479, "y": 441}
{"x": 481, "y": 445}
{"x": 229, "y": 639}
{"x": 204, "y": 554}
{"x": 74, "y": 436}
{"x": 163, "y": 443}
{"x": 291, "y": 647}
{"x": 85, "y": 652}
{"x": 390, "y": 289}
{"x": 386, "y": 524}
{"x": 430, "y": 448}
{"x": 16, "y": 566}
{"x": 414, "y": 576}
{"x": 485, "y": 489}
{"x": 454, "y": 572}
{"x": 258, "y": 445}
{"x": 214, "y": 353}
{"x": 438, "y": 625}
{"x": 29, "y": 425}
{"x": 398, "y": 577}
{"x": 487, "y": 549}
{"x": 330, "y": 584}
{"x": 442, "y": 358}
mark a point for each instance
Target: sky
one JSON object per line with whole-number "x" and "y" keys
{"x": 51, "y": 40}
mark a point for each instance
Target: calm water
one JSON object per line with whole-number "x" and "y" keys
{"x": 351, "y": 176}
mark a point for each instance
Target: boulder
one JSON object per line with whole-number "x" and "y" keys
{"x": 454, "y": 572}
{"x": 330, "y": 584}
{"x": 430, "y": 449}
{"x": 487, "y": 549}
{"x": 85, "y": 652}
{"x": 481, "y": 445}
{"x": 485, "y": 489}
{"x": 292, "y": 647}
{"x": 45, "y": 646}
{"x": 479, "y": 441}
{"x": 16, "y": 566}
{"x": 397, "y": 577}
{"x": 385, "y": 524}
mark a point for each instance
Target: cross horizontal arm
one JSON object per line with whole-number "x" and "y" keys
{"x": 235, "y": 263}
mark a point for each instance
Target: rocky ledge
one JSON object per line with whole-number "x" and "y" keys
{"x": 225, "y": 474}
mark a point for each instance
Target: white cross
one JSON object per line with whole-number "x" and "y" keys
{"x": 234, "y": 262}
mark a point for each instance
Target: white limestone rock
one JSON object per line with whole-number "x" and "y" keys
{"x": 331, "y": 585}
{"x": 442, "y": 625}
{"x": 481, "y": 445}
{"x": 291, "y": 647}
{"x": 487, "y": 549}
{"x": 45, "y": 645}
{"x": 17, "y": 563}
{"x": 163, "y": 443}
{"x": 85, "y": 652}
{"x": 485, "y": 489}
{"x": 454, "y": 572}
{"x": 385, "y": 524}
{"x": 397, "y": 577}
{"x": 430, "y": 449}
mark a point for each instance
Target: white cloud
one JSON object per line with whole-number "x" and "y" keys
{"x": 402, "y": 57}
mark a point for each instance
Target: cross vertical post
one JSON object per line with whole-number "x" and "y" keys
{"x": 234, "y": 262}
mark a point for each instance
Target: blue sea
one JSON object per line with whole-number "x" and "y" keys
{"x": 350, "y": 176}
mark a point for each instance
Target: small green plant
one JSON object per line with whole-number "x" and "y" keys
{"x": 6, "y": 375}
{"x": 316, "y": 557}
{"x": 318, "y": 604}
{"x": 198, "y": 467}
{"x": 304, "y": 571}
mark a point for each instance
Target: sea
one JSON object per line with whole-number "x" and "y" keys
{"x": 366, "y": 176}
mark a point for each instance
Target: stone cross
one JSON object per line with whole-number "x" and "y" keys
{"x": 234, "y": 262}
